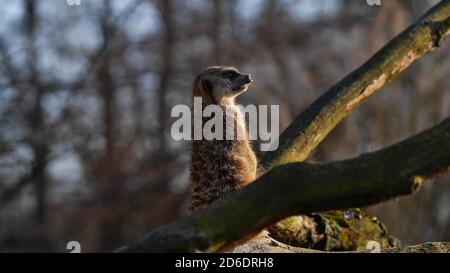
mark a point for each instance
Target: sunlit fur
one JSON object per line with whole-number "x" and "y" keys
{"x": 220, "y": 166}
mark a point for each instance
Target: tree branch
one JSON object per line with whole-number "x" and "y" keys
{"x": 8, "y": 194}
{"x": 317, "y": 121}
{"x": 302, "y": 188}
{"x": 337, "y": 230}
{"x": 269, "y": 245}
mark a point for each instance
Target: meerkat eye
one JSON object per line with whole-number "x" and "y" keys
{"x": 230, "y": 74}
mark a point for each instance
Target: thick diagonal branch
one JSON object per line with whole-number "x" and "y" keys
{"x": 302, "y": 188}
{"x": 269, "y": 245}
{"x": 314, "y": 124}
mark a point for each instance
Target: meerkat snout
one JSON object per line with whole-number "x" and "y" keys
{"x": 243, "y": 82}
{"x": 248, "y": 78}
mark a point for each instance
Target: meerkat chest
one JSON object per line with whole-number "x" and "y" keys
{"x": 234, "y": 123}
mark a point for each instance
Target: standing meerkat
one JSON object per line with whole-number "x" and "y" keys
{"x": 221, "y": 166}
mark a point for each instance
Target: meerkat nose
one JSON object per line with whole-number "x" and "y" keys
{"x": 248, "y": 78}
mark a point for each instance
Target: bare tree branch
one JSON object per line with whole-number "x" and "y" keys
{"x": 269, "y": 245}
{"x": 10, "y": 193}
{"x": 301, "y": 188}
{"x": 317, "y": 121}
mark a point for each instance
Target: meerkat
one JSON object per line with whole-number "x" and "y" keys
{"x": 219, "y": 167}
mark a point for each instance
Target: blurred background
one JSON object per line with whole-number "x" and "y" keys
{"x": 86, "y": 93}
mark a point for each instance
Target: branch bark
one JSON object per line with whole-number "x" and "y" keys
{"x": 346, "y": 230}
{"x": 316, "y": 122}
{"x": 297, "y": 188}
{"x": 269, "y": 245}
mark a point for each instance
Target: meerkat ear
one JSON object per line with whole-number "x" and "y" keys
{"x": 207, "y": 86}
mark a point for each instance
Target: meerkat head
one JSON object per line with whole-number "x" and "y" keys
{"x": 221, "y": 84}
